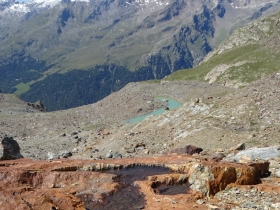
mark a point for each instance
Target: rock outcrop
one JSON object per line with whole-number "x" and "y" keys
{"x": 9, "y": 149}
{"x": 37, "y": 105}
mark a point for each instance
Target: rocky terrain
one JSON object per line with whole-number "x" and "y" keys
{"x": 166, "y": 182}
{"x": 84, "y": 127}
{"x": 219, "y": 150}
{"x": 218, "y": 119}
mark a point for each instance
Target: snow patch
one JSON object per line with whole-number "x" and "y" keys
{"x": 24, "y": 7}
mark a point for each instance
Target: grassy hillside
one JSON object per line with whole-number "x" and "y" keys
{"x": 247, "y": 55}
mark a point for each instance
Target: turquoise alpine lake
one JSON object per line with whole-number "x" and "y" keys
{"x": 171, "y": 104}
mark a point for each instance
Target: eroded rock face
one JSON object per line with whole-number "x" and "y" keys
{"x": 9, "y": 149}
{"x": 127, "y": 183}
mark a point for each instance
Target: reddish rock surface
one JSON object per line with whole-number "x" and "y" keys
{"x": 80, "y": 184}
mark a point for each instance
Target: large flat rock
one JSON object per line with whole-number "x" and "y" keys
{"x": 120, "y": 183}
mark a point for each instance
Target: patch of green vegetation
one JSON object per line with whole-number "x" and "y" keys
{"x": 24, "y": 71}
{"x": 258, "y": 61}
{"x": 264, "y": 62}
{"x": 21, "y": 88}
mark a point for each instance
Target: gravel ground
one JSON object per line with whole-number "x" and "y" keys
{"x": 212, "y": 117}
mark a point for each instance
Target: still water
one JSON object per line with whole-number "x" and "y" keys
{"x": 172, "y": 104}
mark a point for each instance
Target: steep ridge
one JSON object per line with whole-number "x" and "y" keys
{"x": 107, "y": 44}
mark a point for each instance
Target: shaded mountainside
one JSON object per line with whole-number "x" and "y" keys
{"x": 108, "y": 43}
{"x": 77, "y": 88}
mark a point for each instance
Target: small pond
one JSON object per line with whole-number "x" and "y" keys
{"x": 171, "y": 104}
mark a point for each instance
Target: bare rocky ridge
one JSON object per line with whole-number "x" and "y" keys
{"x": 213, "y": 123}
{"x": 10, "y": 103}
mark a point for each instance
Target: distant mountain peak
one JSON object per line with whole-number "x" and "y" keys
{"x": 13, "y": 6}
{"x": 25, "y": 7}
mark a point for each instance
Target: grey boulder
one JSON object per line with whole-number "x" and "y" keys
{"x": 52, "y": 156}
{"x": 265, "y": 153}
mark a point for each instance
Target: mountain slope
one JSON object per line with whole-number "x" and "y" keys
{"x": 247, "y": 55}
{"x": 51, "y": 43}
{"x": 211, "y": 116}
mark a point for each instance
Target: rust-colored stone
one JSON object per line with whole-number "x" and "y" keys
{"x": 76, "y": 184}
